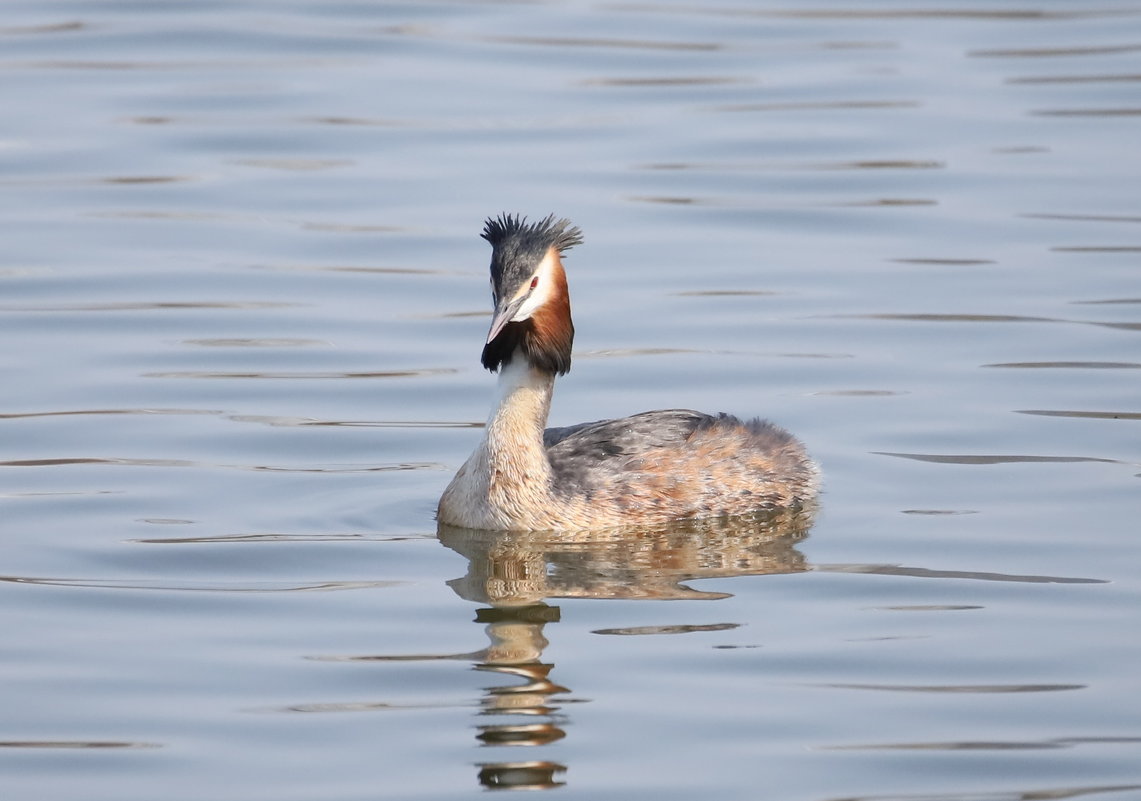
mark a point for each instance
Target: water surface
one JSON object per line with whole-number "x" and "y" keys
{"x": 243, "y": 296}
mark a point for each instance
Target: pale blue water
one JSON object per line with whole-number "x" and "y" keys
{"x": 243, "y": 297}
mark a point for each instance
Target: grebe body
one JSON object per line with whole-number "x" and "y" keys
{"x": 646, "y": 469}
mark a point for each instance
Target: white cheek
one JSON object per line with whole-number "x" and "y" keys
{"x": 541, "y": 293}
{"x": 529, "y": 306}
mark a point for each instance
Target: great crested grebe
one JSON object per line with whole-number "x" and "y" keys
{"x": 641, "y": 470}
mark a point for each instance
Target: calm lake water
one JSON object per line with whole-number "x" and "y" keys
{"x": 243, "y": 299}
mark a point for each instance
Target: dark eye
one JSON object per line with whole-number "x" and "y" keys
{"x": 534, "y": 282}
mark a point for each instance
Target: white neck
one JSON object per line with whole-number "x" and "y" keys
{"x": 514, "y": 433}
{"x": 506, "y": 482}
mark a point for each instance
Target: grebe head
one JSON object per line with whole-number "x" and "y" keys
{"x": 529, "y": 289}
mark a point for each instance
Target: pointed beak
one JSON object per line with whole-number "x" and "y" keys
{"x": 503, "y": 315}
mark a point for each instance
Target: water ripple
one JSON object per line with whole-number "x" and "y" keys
{"x": 281, "y": 420}
{"x": 1032, "y": 794}
{"x": 931, "y": 608}
{"x": 934, "y": 317}
{"x": 364, "y": 706}
{"x": 255, "y": 342}
{"x": 819, "y": 105}
{"x": 338, "y": 268}
{"x": 244, "y": 539}
{"x": 295, "y": 164}
{"x": 1097, "y": 248}
{"x": 150, "y": 462}
{"x": 182, "y": 585}
{"x": 610, "y": 353}
{"x": 913, "y": 12}
{"x": 1082, "y": 414}
{"x": 1083, "y": 217}
{"x": 1068, "y": 365}
{"x": 128, "y": 180}
{"x": 973, "y": 575}
{"x": 1068, "y": 79}
{"x": 724, "y": 293}
{"x": 945, "y": 262}
{"x": 990, "y": 745}
{"x": 82, "y": 744}
{"x": 858, "y": 393}
{"x": 162, "y": 305}
{"x": 302, "y": 376}
{"x": 1055, "y": 52}
{"x": 599, "y": 42}
{"x": 886, "y": 201}
{"x": 960, "y": 688}
{"x": 264, "y": 419}
{"x": 950, "y": 318}
{"x": 795, "y": 166}
{"x": 988, "y": 459}
{"x": 82, "y": 412}
{"x": 674, "y": 629}
{"x": 1088, "y": 112}
{"x": 663, "y": 81}
{"x": 938, "y": 511}
{"x": 51, "y": 27}
{"x": 375, "y": 122}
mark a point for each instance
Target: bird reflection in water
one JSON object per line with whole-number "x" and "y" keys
{"x": 516, "y": 573}
{"x": 517, "y": 643}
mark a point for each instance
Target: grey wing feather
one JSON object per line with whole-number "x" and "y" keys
{"x": 553, "y": 436}
{"x": 580, "y": 451}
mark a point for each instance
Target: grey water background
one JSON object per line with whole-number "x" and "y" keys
{"x": 242, "y": 298}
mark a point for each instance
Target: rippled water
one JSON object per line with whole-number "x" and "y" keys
{"x": 243, "y": 297}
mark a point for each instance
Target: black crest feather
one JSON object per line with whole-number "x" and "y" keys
{"x": 512, "y": 232}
